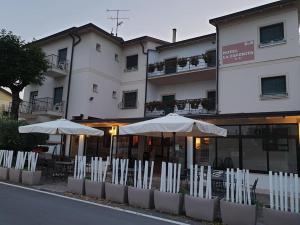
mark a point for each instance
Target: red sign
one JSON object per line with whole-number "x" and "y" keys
{"x": 239, "y": 52}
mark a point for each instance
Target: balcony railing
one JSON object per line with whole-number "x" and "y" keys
{"x": 179, "y": 65}
{"x": 183, "y": 107}
{"x": 57, "y": 65}
{"x": 41, "y": 105}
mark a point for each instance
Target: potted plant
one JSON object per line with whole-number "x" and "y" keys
{"x": 31, "y": 176}
{"x": 236, "y": 210}
{"x": 140, "y": 194}
{"x": 182, "y": 62}
{"x": 76, "y": 183}
{"x": 5, "y": 163}
{"x": 207, "y": 58}
{"x": 208, "y": 104}
{"x": 194, "y": 103}
{"x": 158, "y": 105}
{"x": 160, "y": 66}
{"x": 151, "y": 68}
{"x": 200, "y": 205}
{"x": 117, "y": 190}
{"x": 95, "y": 187}
{"x": 273, "y": 214}
{"x": 150, "y": 106}
{"x": 168, "y": 199}
{"x": 194, "y": 60}
{"x": 181, "y": 104}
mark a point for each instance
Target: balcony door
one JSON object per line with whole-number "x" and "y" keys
{"x": 171, "y": 65}
{"x": 58, "y": 93}
{"x": 168, "y": 103}
{"x": 62, "y": 56}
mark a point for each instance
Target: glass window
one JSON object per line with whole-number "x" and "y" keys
{"x": 116, "y": 57}
{"x": 271, "y": 33}
{"x": 228, "y": 153}
{"x": 254, "y": 155}
{"x": 132, "y": 62}
{"x": 204, "y": 151}
{"x": 130, "y": 100}
{"x": 58, "y": 94}
{"x": 98, "y": 47}
{"x": 232, "y": 130}
{"x": 171, "y": 65}
{"x": 273, "y": 85}
{"x": 62, "y": 56}
{"x": 95, "y": 88}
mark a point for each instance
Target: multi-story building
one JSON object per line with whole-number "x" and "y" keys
{"x": 244, "y": 77}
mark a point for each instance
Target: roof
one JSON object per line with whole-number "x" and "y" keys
{"x": 273, "y": 5}
{"x": 5, "y": 91}
{"x": 92, "y": 27}
{"x": 187, "y": 41}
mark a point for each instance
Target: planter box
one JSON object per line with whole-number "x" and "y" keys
{"x": 14, "y": 175}
{"x": 237, "y": 214}
{"x": 3, "y": 173}
{"x": 200, "y": 208}
{"x": 139, "y": 197}
{"x": 168, "y": 202}
{"x": 76, "y": 185}
{"x": 94, "y": 189}
{"x": 276, "y": 217}
{"x": 116, "y": 193}
{"x": 31, "y": 178}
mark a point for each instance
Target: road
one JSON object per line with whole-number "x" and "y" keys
{"x": 20, "y": 206}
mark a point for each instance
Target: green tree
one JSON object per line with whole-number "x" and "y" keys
{"x": 21, "y": 64}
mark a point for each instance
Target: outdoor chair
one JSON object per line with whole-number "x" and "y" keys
{"x": 253, "y": 191}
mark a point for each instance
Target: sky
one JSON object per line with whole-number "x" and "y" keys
{"x": 39, "y": 18}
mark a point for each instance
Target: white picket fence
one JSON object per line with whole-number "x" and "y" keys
{"x": 6, "y": 158}
{"x": 238, "y": 186}
{"x": 170, "y": 177}
{"x": 21, "y": 158}
{"x": 284, "y": 192}
{"x": 32, "y": 161}
{"x": 122, "y": 177}
{"x": 79, "y": 167}
{"x": 97, "y": 173}
{"x": 197, "y": 185}
{"x": 144, "y": 182}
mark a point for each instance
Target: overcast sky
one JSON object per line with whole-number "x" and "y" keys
{"x": 39, "y": 18}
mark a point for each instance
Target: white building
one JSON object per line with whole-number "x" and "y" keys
{"x": 244, "y": 77}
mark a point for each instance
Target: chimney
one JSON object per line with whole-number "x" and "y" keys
{"x": 174, "y": 35}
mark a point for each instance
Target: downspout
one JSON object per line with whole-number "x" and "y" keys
{"x": 217, "y": 70}
{"x": 146, "y": 82}
{"x": 74, "y": 43}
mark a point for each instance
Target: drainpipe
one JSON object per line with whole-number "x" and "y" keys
{"x": 217, "y": 70}
{"x": 146, "y": 82}
{"x": 74, "y": 43}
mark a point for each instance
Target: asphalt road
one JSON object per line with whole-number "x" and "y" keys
{"x": 25, "y": 207}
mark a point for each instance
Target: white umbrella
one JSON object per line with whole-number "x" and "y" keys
{"x": 61, "y": 126}
{"x": 172, "y": 124}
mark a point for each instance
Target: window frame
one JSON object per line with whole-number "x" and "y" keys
{"x": 132, "y": 68}
{"x": 123, "y": 99}
{"x": 95, "y": 88}
{"x": 272, "y": 43}
{"x": 273, "y": 96}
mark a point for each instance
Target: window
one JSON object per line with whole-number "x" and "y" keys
{"x": 129, "y": 99}
{"x": 95, "y": 88}
{"x": 58, "y": 93}
{"x": 273, "y": 86}
{"x": 132, "y": 62}
{"x": 272, "y": 33}
{"x": 33, "y": 96}
{"x": 98, "y": 47}
{"x": 171, "y": 65}
{"x": 211, "y": 96}
{"x": 116, "y": 57}
{"x": 62, "y": 56}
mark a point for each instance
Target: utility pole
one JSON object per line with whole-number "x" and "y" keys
{"x": 117, "y": 18}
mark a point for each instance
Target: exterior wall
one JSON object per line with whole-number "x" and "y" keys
{"x": 5, "y": 99}
{"x": 239, "y": 83}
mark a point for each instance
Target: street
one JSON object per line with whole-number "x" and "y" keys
{"x": 19, "y": 206}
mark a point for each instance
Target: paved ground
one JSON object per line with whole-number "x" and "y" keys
{"x": 20, "y": 206}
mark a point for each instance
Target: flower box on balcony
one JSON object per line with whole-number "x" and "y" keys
{"x": 200, "y": 208}
{"x": 31, "y": 178}
{"x": 139, "y": 197}
{"x": 116, "y": 193}
{"x": 168, "y": 202}
{"x": 3, "y": 173}
{"x": 95, "y": 189}
{"x": 237, "y": 214}
{"x": 76, "y": 185}
{"x": 14, "y": 175}
{"x": 276, "y": 217}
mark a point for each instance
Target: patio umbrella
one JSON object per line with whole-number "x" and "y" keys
{"x": 61, "y": 126}
{"x": 171, "y": 124}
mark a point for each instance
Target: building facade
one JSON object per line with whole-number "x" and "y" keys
{"x": 5, "y": 99}
{"x": 244, "y": 78}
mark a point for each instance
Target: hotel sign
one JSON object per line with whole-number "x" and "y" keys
{"x": 239, "y": 52}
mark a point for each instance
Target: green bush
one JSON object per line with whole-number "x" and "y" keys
{"x": 11, "y": 139}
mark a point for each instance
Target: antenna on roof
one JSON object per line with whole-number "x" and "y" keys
{"x": 117, "y": 18}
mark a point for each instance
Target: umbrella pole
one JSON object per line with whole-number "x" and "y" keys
{"x": 174, "y": 137}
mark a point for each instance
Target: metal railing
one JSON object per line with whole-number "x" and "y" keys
{"x": 179, "y": 65}
{"x": 182, "y": 107}
{"x": 56, "y": 63}
{"x": 123, "y": 105}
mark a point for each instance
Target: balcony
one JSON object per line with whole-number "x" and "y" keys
{"x": 201, "y": 67}
{"x": 197, "y": 106}
{"x": 57, "y": 68}
{"x": 41, "y": 107}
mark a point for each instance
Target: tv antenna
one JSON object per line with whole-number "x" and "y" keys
{"x": 117, "y": 18}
